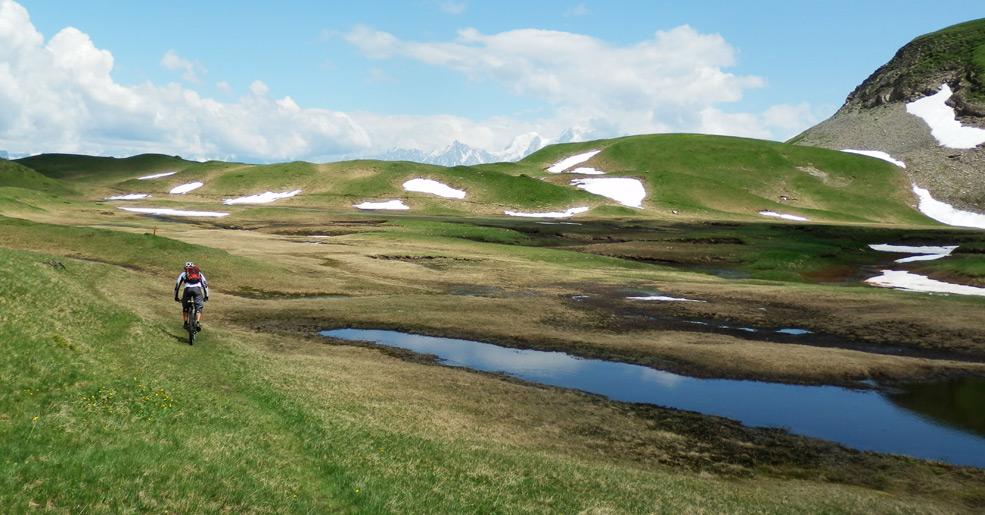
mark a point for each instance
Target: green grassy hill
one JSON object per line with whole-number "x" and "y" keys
{"x": 15, "y": 175}
{"x": 91, "y": 168}
{"x": 685, "y": 176}
{"x": 713, "y": 176}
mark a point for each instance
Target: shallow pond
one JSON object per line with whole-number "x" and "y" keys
{"x": 914, "y": 420}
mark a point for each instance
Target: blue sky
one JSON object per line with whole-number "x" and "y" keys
{"x": 319, "y": 81}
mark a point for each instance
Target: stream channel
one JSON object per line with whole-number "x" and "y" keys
{"x": 941, "y": 421}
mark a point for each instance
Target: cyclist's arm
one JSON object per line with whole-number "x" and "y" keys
{"x": 205, "y": 287}
{"x": 177, "y": 284}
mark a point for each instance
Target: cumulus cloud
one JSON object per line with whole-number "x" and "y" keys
{"x": 673, "y": 81}
{"x": 60, "y": 96}
{"x": 190, "y": 70}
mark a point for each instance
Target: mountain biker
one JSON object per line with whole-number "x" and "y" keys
{"x": 196, "y": 287}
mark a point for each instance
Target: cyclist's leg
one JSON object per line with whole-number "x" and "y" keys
{"x": 199, "y": 305}
{"x": 184, "y": 305}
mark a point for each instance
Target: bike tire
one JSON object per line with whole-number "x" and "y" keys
{"x": 191, "y": 323}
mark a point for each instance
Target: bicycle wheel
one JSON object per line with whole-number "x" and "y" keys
{"x": 190, "y": 308}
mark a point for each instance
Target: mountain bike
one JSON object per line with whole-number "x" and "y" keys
{"x": 192, "y": 326}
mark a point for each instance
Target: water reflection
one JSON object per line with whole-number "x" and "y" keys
{"x": 957, "y": 403}
{"x": 861, "y": 419}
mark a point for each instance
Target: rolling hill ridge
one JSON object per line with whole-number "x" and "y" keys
{"x": 684, "y": 176}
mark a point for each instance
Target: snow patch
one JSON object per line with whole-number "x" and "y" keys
{"x": 945, "y": 128}
{"x": 903, "y": 280}
{"x": 923, "y": 253}
{"x": 566, "y": 214}
{"x": 784, "y": 216}
{"x": 945, "y": 213}
{"x": 878, "y": 154}
{"x": 155, "y": 176}
{"x": 433, "y": 187}
{"x": 664, "y": 298}
{"x": 392, "y": 205}
{"x": 626, "y": 191}
{"x": 568, "y": 162}
{"x": 129, "y": 196}
{"x": 260, "y": 198}
{"x": 173, "y": 212}
{"x": 185, "y": 188}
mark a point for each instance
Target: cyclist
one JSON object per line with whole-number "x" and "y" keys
{"x": 196, "y": 287}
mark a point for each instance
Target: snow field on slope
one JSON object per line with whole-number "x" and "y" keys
{"x": 433, "y": 187}
{"x": 390, "y": 205}
{"x": 185, "y": 188}
{"x": 570, "y": 161}
{"x": 155, "y": 176}
{"x": 553, "y": 214}
{"x": 878, "y": 154}
{"x": 261, "y": 198}
{"x": 922, "y": 253}
{"x": 944, "y": 126}
{"x": 903, "y": 280}
{"x": 173, "y": 212}
{"x": 626, "y": 191}
{"x": 785, "y": 216}
{"x": 946, "y": 213}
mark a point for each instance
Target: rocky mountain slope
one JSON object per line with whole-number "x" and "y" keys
{"x": 876, "y": 116}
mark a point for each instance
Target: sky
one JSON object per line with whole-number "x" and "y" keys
{"x": 260, "y": 81}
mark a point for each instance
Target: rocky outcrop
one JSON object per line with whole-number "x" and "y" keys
{"x": 874, "y": 116}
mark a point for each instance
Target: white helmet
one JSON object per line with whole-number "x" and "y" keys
{"x": 189, "y": 264}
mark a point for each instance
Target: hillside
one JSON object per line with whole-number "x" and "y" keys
{"x": 14, "y": 175}
{"x": 678, "y": 176}
{"x": 691, "y": 257}
{"x": 878, "y": 115}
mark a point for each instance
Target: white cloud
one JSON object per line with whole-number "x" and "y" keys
{"x": 225, "y": 88}
{"x": 191, "y": 70}
{"x": 61, "y": 97}
{"x": 672, "y": 82}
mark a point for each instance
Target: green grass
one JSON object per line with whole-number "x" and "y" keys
{"x": 145, "y": 252}
{"x": 719, "y": 175}
{"x": 106, "y": 410}
{"x": 959, "y": 47}
{"x": 13, "y": 175}
{"x": 89, "y": 168}
{"x": 432, "y": 229}
{"x": 704, "y": 177}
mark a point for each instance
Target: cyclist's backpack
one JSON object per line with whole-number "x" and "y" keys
{"x": 193, "y": 275}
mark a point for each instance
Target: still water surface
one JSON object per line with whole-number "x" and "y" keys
{"x": 866, "y": 420}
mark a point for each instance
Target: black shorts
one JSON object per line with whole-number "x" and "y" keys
{"x": 196, "y": 294}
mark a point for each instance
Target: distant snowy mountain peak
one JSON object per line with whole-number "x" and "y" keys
{"x": 521, "y": 147}
{"x": 461, "y": 154}
{"x": 574, "y": 135}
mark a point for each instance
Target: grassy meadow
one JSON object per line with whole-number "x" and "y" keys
{"x": 108, "y": 410}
